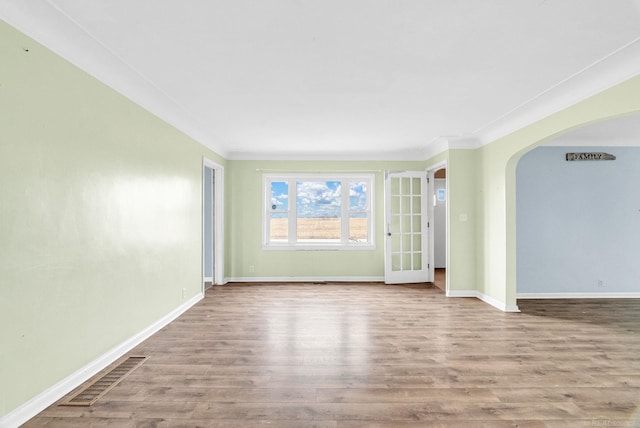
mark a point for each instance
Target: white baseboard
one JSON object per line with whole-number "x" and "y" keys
{"x": 626, "y": 295}
{"x": 207, "y": 279}
{"x": 307, "y": 279}
{"x": 43, "y": 400}
{"x": 485, "y": 298}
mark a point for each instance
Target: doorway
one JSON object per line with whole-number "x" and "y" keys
{"x": 437, "y": 209}
{"x": 212, "y": 224}
{"x": 440, "y": 228}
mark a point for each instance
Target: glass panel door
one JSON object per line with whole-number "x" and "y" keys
{"x": 405, "y": 249}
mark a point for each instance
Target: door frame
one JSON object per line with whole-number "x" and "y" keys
{"x": 218, "y": 221}
{"x": 431, "y": 219}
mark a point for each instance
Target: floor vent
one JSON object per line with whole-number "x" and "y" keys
{"x": 92, "y": 392}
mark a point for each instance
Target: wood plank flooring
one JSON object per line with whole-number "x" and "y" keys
{"x": 440, "y": 278}
{"x": 374, "y": 355}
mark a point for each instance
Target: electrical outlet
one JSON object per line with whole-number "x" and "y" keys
{"x": 600, "y": 283}
{"x": 184, "y": 293}
{"x": 252, "y": 268}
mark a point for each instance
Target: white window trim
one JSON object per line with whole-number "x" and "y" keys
{"x": 268, "y": 178}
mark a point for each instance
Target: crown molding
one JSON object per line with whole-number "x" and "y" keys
{"x": 405, "y": 155}
{"x": 442, "y": 144}
{"x": 613, "y": 69}
{"x": 464, "y": 142}
{"x": 48, "y": 25}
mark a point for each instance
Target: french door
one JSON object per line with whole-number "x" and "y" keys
{"x": 405, "y": 227}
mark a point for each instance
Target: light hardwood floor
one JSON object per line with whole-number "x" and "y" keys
{"x": 440, "y": 278}
{"x": 373, "y": 355}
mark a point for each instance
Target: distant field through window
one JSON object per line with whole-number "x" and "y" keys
{"x": 318, "y": 211}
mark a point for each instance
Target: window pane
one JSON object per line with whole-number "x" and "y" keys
{"x": 358, "y": 196}
{"x": 279, "y": 228}
{"x": 406, "y": 224}
{"x": 279, "y": 215}
{"x": 406, "y": 245}
{"x": 417, "y": 224}
{"x": 405, "y": 186}
{"x": 415, "y": 189}
{"x": 406, "y": 205}
{"x": 417, "y": 242}
{"x": 417, "y": 261}
{"x": 323, "y": 211}
{"x": 321, "y": 229}
{"x": 417, "y": 208}
{"x": 318, "y": 206}
{"x": 279, "y": 196}
{"x": 358, "y": 228}
{"x": 406, "y": 261}
{"x": 358, "y": 215}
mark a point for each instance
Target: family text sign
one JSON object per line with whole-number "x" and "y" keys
{"x": 589, "y": 156}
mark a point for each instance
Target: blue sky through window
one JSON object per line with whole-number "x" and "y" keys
{"x": 319, "y": 199}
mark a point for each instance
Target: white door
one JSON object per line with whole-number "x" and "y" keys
{"x": 406, "y": 237}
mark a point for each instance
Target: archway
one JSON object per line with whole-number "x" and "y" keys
{"x": 576, "y": 221}
{"x": 588, "y": 112}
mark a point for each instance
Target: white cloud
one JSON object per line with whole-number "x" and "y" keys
{"x": 318, "y": 198}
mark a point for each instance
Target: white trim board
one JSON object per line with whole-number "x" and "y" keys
{"x": 628, "y": 295}
{"x": 218, "y": 226}
{"x": 275, "y": 279}
{"x": 43, "y": 400}
{"x": 485, "y": 298}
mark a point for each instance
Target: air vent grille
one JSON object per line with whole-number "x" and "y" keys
{"x": 92, "y": 392}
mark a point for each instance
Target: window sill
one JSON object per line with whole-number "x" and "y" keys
{"x": 318, "y": 247}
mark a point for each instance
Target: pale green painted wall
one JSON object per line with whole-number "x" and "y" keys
{"x": 244, "y": 224}
{"x": 461, "y": 266}
{"x": 101, "y": 215}
{"x": 100, "y": 218}
{"x": 463, "y": 200}
{"x": 496, "y": 178}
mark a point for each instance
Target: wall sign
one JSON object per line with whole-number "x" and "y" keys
{"x": 589, "y": 156}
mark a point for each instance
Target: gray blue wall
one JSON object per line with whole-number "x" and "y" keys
{"x": 578, "y": 222}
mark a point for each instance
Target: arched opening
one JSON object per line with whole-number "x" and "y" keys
{"x": 576, "y": 220}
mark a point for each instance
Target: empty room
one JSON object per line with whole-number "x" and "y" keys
{"x": 340, "y": 214}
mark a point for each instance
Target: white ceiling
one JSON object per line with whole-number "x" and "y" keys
{"x": 619, "y": 131}
{"x": 343, "y": 79}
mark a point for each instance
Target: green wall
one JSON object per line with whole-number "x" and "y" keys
{"x": 244, "y": 224}
{"x": 100, "y": 219}
{"x": 461, "y": 184}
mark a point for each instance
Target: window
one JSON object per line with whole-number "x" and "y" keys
{"x": 304, "y": 211}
